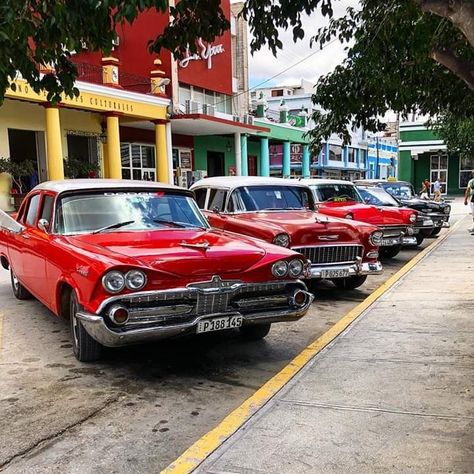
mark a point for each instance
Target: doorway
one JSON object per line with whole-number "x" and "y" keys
{"x": 439, "y": 171}
{"x": 28, "y": 145}
{"x": 215, "y": 163}
{"x": 252, "y": 165}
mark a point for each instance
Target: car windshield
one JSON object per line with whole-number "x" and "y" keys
{"x": 377, "y": 196}
{"x": 259, "y": 198}
{"x": 400, "y": 190}
{"x": 336, "y": 192}
{"x": 126, "y": 211}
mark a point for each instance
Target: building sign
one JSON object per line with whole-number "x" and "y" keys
{"x": 91, "y": 101}
{"x": 205, "y": 53}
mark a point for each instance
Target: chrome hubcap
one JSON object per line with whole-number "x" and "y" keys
{"x": 16, "y": 284}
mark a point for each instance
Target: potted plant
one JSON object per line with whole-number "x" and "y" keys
{"x": 18, "y": 170}
{"x": 77, "y": 168}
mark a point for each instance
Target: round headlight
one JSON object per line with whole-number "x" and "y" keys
{"x": 295, "y": 268}
{"x": 375, "y": 238}
{"x": 283, "y": 240}
{"x": 412, "y": 218}
{"x": 135, "y": 280}
{"x": 349, "y": 216}
{"x": 447, "y": 209}
{"x": 113, "y": 281}
{"x": 280, "y": 269}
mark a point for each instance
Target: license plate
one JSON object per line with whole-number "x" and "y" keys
{"x": 219, "y": 324}
{"x": 388, "y": 242}
{"x": 340, "y": 273}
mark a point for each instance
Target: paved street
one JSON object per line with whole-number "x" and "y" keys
{"x": 392, "y": 393}
{"x": 141, "y": 407}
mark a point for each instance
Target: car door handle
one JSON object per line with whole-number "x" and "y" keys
{"x": 25, "y": 236}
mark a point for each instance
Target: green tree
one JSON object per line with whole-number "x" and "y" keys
{"x": 458, "y": 134}
{"x": 45, "y": 32}
{"x": 402, "y": 55}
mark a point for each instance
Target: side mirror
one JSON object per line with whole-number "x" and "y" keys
{"x": 43, "y": 224}
{"x": 216, "y": 210}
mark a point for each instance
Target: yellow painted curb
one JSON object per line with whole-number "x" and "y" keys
{"x": 203, "y": 447}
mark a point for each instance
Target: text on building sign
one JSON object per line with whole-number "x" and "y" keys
{"x": 205, "y": 53}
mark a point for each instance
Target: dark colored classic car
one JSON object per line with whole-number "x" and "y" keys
{"x": 342, "y": 199}
{"x": 376, "y": 196}
{"x": 132, "y": 261}
{"x": 283, "y": 212}
{"x": 404, "y": 192}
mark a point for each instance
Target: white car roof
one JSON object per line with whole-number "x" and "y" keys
{"x": 95, "y": 184}
{"x": 313, "y": 181}
{"x": 232, "y": 182}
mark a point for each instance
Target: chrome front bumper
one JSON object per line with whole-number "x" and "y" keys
{"x": 167, "y": 318}
{"x": 354, "y": 269}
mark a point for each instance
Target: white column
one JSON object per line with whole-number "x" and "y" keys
{"x": 169, "y": 149}
{"x": 238, "y": 154}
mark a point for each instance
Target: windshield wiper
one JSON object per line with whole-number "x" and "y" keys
{"x": 113, "y": 226}
{"x": 281, "y": 209}
{"x": 181, "y": 225}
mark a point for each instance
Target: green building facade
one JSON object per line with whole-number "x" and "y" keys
{"x": 423, "y": 155}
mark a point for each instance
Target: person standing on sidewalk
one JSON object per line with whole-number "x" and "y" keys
{"x": 437, "y": 190}
{"x": 469, "y": 197}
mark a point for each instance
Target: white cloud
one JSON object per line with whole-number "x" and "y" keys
{"x": 263, "y": 64}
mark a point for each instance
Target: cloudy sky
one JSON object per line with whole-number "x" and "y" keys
{"x": 264, "y": 65}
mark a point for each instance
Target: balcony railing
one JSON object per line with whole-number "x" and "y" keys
{"x": 93, "y": 73}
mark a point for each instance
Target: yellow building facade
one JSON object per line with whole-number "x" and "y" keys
{"x": 33, "y": 129}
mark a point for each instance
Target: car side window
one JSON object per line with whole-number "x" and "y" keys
{"x": 47, "y": 209}
{"x": 201, "y": 197}
{"x": 217, "y": 199}
{"x": 32, "y": 212}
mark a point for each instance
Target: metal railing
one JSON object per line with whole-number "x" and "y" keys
{"x": 132, "y": 82}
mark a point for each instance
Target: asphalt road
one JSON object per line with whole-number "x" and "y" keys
{"x": 142, "y": 406}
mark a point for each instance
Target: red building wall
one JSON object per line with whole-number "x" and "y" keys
{"x": 136, "y": 59}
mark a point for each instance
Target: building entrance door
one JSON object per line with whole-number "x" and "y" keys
{"x": 215, "y": 163}
{"x": 252, "y": 165}
{"x": 23, "y": 145}
{"x": 439, "y": 170}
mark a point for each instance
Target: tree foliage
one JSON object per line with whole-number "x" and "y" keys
{"x": 402, "y": 55}
{"x": 458, "y": 134}
{"x": 46, "y": 32}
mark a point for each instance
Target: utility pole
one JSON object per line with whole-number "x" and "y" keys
{"x": 377, "y": 172}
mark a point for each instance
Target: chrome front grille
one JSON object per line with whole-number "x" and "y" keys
{"x": 330, "y": 254}
{"x": 168, "y": 307}
{"x": 393, "y": 231}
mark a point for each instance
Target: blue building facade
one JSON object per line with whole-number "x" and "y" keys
{"x": 382, "y": 158}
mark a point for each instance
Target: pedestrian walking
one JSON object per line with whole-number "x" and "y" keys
{"x": 437, "y": 190}
{"x": 428, "y": 187}
{"x": 469, "y": 197}
{"x": 423, "y": 191}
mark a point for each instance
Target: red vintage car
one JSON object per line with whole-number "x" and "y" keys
{"x": 283, "y": 212}
{"x": 342, "y": 199}
{"x": 131, "y": 261}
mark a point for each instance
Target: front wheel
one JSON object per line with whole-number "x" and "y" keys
{"x": 419, "y": 239}
{"x": 255, "y": 332}
{"x": 86, "y": 349}
{"x": 350, "y": 283}
{"x": 19, "y": 290}
{"x": 390, "y": 252}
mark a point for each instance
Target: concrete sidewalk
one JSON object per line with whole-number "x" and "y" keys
{"x": 393, "y": 393}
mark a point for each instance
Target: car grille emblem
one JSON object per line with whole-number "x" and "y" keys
{"x": 328, "y": 238}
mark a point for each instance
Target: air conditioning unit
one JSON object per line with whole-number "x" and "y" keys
{"x": 208, "y": 109}
{"x": 248, "y": 119}
{"x": 193, "y": 107}
{"x": 237, "y": 118}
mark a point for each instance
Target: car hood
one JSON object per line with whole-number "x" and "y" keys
{"x": 376, "y": 215}
{"x": 179, "y": 252}
{"x": 305, "y": 227}
{"x": 424, "y": 205}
